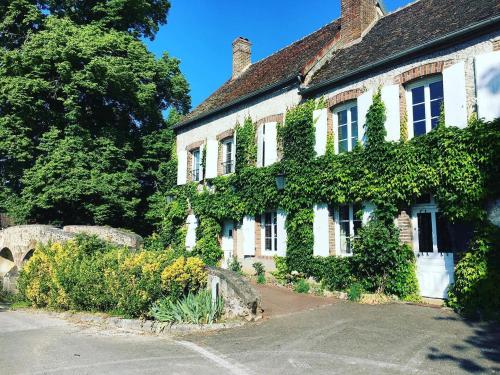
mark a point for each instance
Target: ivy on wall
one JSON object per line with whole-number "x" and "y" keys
{"x": 460, "y": 167}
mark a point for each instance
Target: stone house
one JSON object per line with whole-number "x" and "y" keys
{"x": 427, "y": 54}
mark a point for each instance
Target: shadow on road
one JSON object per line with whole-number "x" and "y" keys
{"x": 486, "y": 340}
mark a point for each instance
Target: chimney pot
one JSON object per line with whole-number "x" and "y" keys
{"x": 242, "y": 54}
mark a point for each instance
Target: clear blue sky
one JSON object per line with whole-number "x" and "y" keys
{"x": 200, "y": 32}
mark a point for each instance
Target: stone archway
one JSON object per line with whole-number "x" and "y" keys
{"x": 28, "y": 256}
{"x": 6, "y": 261}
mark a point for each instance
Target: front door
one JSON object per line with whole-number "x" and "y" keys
{"x": 227, "y": 242}
{"x": 432, "y": 246}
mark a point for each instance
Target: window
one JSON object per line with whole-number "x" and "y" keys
{"x": 349, "y": 224}
{"x": 346, "y": 118}
{"x": 196, "y": 165}
{"x": 270, "y": 223}
{"x": 227, "y": 156}
{"x": 425, "y": 99}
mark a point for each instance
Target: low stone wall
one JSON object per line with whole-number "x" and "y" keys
{"x": 241, "y": 300}
{"x": 117, "y": 236}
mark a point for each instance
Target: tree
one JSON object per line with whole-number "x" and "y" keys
{"x": 82, "y": 134}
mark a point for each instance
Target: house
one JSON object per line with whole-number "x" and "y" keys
{"x": 427, "y": 54}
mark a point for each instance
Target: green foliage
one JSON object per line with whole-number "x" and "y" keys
{"x": 259, "y": 268}
{"x": 193, "y": 308}
{"x": 235, "y": 265}
{"x": 246, "y": 146}
{"x": 282, "y": 272}
{"x": 298, "y": 133}
{"x": 261, "y": 278}
{"x": 355, "y": 291}
{"x": 82, "y": 133}
{"x": 301, "y": 286}
{"x": 299, "y": 253}
{"x": 475, "y": 292}
{"x": 89, "y": 274}
{"x": 381, "y": 263}
{"x": 208, "y": 247}
{"x": 334, "y": 272}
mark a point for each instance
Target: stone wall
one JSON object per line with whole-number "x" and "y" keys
{"x": 241, "y": 300}
{"x": 117, "y": 236}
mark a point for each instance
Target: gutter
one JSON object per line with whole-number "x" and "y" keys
{"x": 273, "y": 86}
{"x": 397, "y": 56}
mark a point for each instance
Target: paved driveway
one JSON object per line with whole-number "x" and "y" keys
{"x": 343, "y": 338}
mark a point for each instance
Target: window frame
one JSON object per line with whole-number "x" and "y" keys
{"x": 224, "y": 144}
{"x": 425, "y": 82}
{"x": 352, "y": 219}
{"x": 193, "y": 161}
{"x": 346, "y": 106}
{"x": 274, "y": 233}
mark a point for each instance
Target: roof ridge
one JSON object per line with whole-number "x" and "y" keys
{"x": 295, "y": 42}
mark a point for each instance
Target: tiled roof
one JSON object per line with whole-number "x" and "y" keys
{"x": 283, "y": 65}
{"x": 411, "y": 26}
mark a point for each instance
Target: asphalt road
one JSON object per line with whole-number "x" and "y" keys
{"x": 343, "y": 338}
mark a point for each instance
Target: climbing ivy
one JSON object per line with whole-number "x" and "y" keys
{"x": 460, "y": 167}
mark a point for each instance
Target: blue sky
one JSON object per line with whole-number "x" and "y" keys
{"x": 200, "y": 32}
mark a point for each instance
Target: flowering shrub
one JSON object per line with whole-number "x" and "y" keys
{"x": 89, "y": 274}
{"x": 184, "y": 275}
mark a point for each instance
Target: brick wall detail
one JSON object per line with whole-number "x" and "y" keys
{"x": 331, "y": 231}
{"x": 194, "y": 146}
{"x": 343, "y": 97}
{"x": 272, "y": 118}
{"x": 420, "y": 72}
{"x": 258, "y": 241}
{"x": 403, "y": 222}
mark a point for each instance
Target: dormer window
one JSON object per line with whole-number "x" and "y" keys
{"x": 424, "y": 99}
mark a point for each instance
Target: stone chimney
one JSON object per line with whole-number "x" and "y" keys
{"x": 241, "y": 55}
{"x": 357, "y": 16}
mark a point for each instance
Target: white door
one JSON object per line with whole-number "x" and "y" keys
{"x": 432, "y": 246}
{"x": 227, "y": 242}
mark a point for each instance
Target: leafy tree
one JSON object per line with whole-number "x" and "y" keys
{"x": 82, "y": 133}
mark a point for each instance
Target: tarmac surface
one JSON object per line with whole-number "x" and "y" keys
{"x": 317, "y": 337}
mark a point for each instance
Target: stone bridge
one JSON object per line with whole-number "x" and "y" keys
{"x": 18, "y": 243}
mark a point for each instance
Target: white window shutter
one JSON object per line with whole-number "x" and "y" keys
{"x": 192, "y": 224}
{"x": 281, "y": 232}
{"x": 271, "y": 144}
{"x": 248, "y": 230}
{"x": 368, "y": 209}
{"x": 321, "y": 130}
{"x": 320, "y": 230}
{"x": 365, "y": 100}
{"x": 488, "y": 92}
{"x": 455, "y": 97}
{"x": 182, "y": 167}
{"x": 260, "y": 138}
{"x": 202, "y": 167}
{"x": 211, "y": 158}
{"x": 390, "y": 97}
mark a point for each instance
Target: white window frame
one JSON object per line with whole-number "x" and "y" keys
{"x": 224, "y": 143}
{"x": 351, "y": 227}
{"x": 425, "y": 82}
{"x": 193, "y": 165}
{"x": 345, "y": 107}
{"x": 274, "y": 233}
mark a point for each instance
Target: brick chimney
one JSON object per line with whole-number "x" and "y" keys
{"x": 357, "y": 16}
{"x": 241, "y": 55}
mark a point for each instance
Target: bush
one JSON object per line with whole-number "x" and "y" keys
{"x": 301, "y": 286}
{"x": 381, "y": 263}
{"x": 355, "y": 291}
{"x": 281, "y": 274}
{"x": 475, "y": 292}
{"x": 259, "y": 268}
{"x": 234, "y": 265}
{"x": 92, "y": 275}
{"x": 261, "y": 279}
{"x": 193, "y": 308}
{"x": 185, "y": 275}
{"x": 334, "y": 272}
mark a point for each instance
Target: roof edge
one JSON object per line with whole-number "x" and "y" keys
{"x": 389, "y": 59}
{"x": 253, "y": 94}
